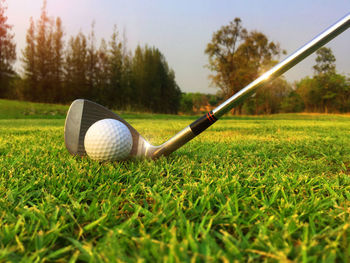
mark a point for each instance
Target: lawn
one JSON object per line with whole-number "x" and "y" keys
{"x": 265, "y": 189}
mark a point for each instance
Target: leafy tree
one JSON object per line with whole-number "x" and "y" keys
{"x": 327, "y": 91}
{"x": 195, "y": 102}
{"x": 343, "y": 101}
{"x": 221, "y": 51}
{"x": 292, "y": 103}
{"x": 324, "y": 72}
{"x": 336, "y": 97}
{"x": 199, "y": 100}
{"x": 237, "y": 57}
{"x": 213, "y": 100}
{"x": 308, "y": 89}
{"x": 7, "y": 51}
{"x": 186, "y": 103}
{"x": 325, "y": 61}
{"x": 268, "y": 98}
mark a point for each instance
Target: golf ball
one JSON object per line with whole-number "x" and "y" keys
{"x": 108, "y": 140}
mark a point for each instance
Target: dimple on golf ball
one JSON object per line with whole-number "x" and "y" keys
{"x": 108, "y": 140}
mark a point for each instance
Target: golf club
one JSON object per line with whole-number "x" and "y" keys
{"x": 83, "y": 113}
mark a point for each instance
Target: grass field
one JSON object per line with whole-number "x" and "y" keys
{"x": 265, "y": 189}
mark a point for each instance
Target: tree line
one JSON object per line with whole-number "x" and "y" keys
{"x": 56, "y": 70}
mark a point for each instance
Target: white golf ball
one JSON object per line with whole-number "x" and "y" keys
{"x": 108, "y": 140}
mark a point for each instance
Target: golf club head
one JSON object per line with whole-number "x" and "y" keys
{"x": 82, "y": 114}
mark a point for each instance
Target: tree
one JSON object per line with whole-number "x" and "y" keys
{"x": 75, "y": 68}
{"x": 186, "y": 103}
{"x": 327, "y": 91}
{"x": 103, "y": 81}
{"x": 292, "y": 103}
{"x": 138, "y": 78}
{"x": 29, "y": 63}
{"x": 325, "y": 61}
{"x": 237, "y": 57}
{"x": 127, "y": 78}
{"x": 268, "y": 98}
{"x": 7, "y": 51}
{"x": 342, "y": 101}
{"x": 154, "y": 85}
{"x": 324, "y": 70}
{"x": 171, "y": 92}
{"x": 57, "y": 61}
{"x": 197, "y": 102}
{"x": 221, "y": 51}
{"x": 108, "y": 74}
{"x": 91, "y": 66}
{"x": 308, "y": 89}
{"x": 43, "y": 59}
{"x": 336, "y": 96}
{"x": 117, "y": 92}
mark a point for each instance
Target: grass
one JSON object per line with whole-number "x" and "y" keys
{"x": 12, "y": 109}
{"x": 265, "y": 189}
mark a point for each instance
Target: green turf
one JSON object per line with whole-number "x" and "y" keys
{"x": 266, "y": 189}
{"x": 12, "y": 109}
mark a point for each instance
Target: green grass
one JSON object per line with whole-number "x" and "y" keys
{"x": 265, "y": 189}
{"x": 12, "y": 109}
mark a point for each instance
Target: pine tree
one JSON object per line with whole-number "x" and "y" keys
{"x": 75, "y": 68}
{"x": 103, "y": 82}
{"x": 92, "y": 60}
{"x": 29, "y": 64}
{"x": 7, "y": 51}
{"x": 126, "y": 81}
{"x": 154, "y": 83}
{"x": 138, "y": 78}
{"x": 43, "y": 58}
{"x": 57, "y": 70}
{"x": 115, "y": 91}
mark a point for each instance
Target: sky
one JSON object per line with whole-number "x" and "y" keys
{"x": 181, "y": 29}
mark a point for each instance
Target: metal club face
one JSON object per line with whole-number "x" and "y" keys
{"x": 83, "y": 113}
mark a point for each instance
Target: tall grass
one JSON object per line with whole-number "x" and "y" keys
{"x": 269, "y": 189}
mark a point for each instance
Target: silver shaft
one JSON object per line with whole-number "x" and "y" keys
{"x": 286, "y": 64}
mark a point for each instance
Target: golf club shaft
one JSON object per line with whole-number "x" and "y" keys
{"x": 207, "y": 120}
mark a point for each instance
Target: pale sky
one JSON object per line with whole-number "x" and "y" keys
{"x": 181, "y": 29}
